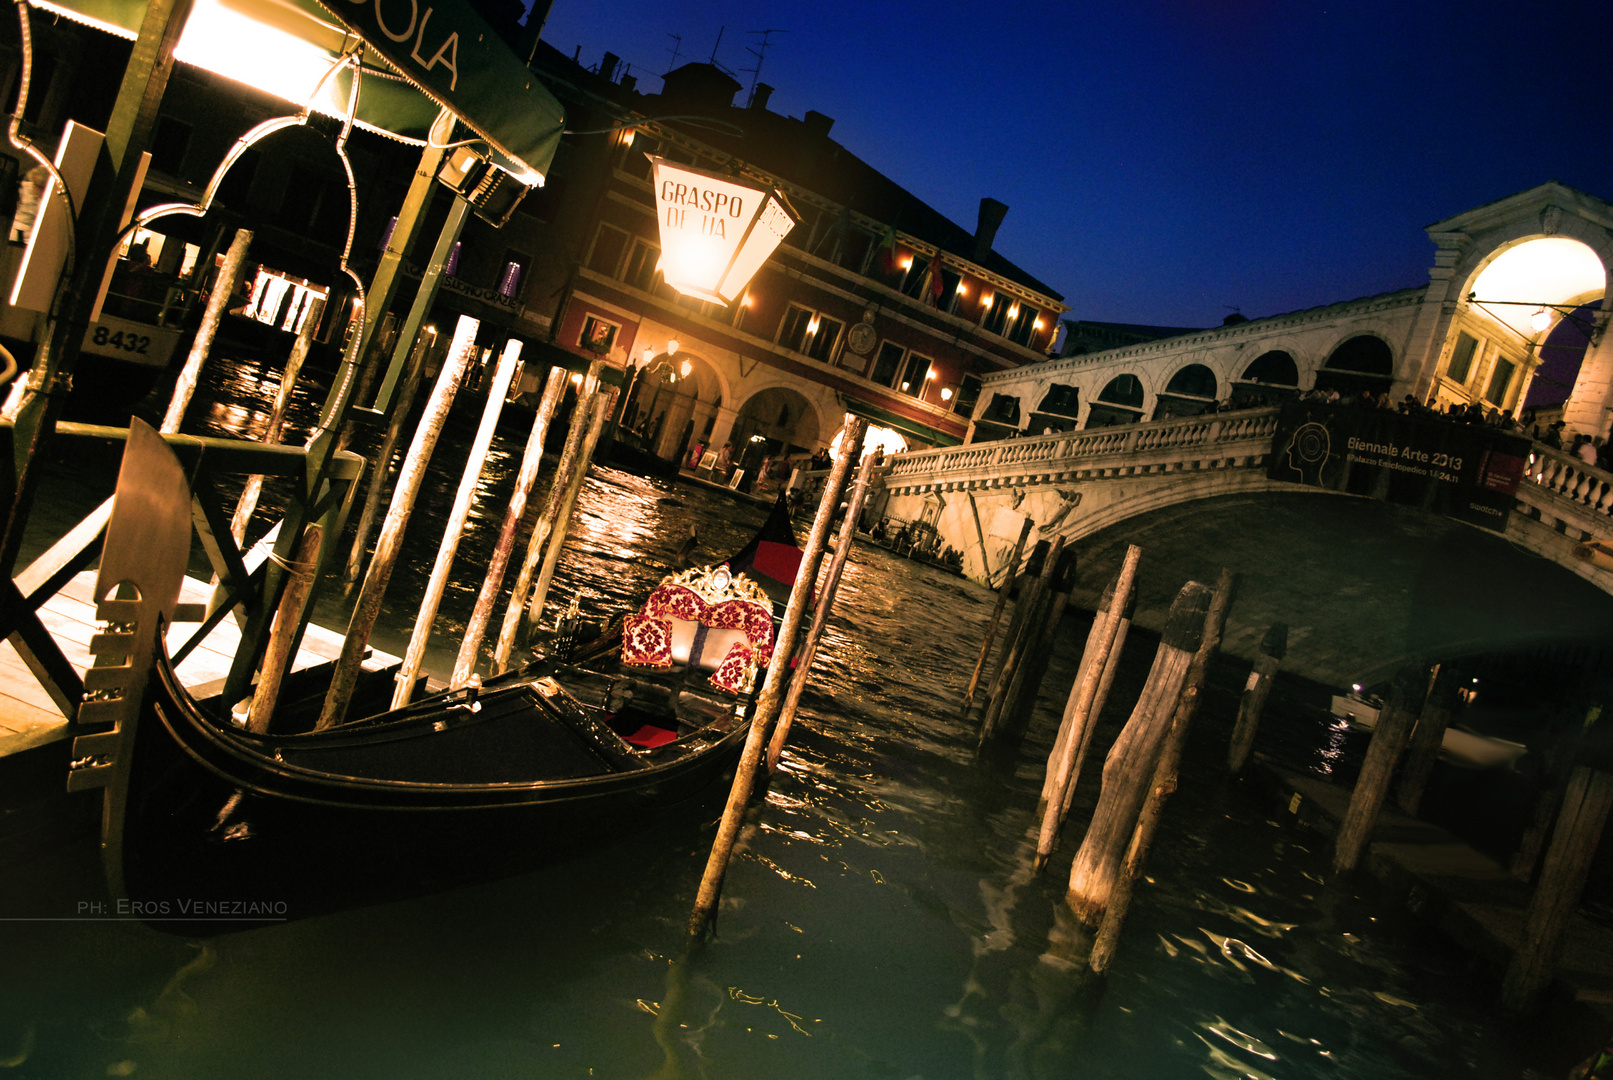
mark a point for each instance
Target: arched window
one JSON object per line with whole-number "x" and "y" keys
{"x": 1195, "y": 380}
{"x": 1363, "y": 362}
{"x": 1119, "y": 402}
{"x": 1273, "y": 367}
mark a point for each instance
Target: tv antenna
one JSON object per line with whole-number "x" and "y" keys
{"x": 677, "y": 45}
{"x": 760, "y": 52}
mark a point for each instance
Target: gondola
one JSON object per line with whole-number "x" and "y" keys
{"x": 601, "y": 739}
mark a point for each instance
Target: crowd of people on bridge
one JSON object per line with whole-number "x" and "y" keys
{"x": 1596, "y": 450}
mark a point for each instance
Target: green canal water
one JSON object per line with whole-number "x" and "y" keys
{"x": 880, "y": 921}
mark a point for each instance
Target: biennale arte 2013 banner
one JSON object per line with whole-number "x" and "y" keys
{"x": 1465, "y": 471}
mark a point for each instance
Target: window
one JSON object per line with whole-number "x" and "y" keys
{"x": 1462, "y": 358}
{"x": 237, "y": 185}
{"x": 1024, "y": 324}
{"x": 168, "y": 146}
{"x": 609, "y": 243}
{"x": 948, "y": 300}
{"x": 598, "y": 336}
{"x": 793, "y": 331}
{"x": 968, "y": 396}
{"x": 807, "y": 331}
{"x": 1500, "y": 380}
{"x": 510, "y": 278}
{"x": 915, "y": 375}
{"x": 643, "y": 263}
{"x": 888, "y": 363}
{"x": 997, "y": 313}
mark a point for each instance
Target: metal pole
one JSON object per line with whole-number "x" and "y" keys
{"x": 767, "y": 702}
{"x": 455, "y": 526}
{"x": 531, "y": 460}
{"x": 820, "y": 616}
{"x": 387, "y": 548}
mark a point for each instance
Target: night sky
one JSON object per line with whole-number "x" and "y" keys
{"x": 1168, "y": 161}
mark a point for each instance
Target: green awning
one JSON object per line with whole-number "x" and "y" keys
{"x": 896, "y": 422}
{"x": 418, "y": 56}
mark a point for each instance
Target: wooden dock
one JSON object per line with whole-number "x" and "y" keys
{"x": 28, "y": 717}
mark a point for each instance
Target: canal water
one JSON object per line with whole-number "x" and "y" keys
{"x": 880, "y": 920}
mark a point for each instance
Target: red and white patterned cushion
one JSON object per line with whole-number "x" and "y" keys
{"x": 680, "y": 602}
{"x": 647, "y": 642}
{"x": 737, "y": 672}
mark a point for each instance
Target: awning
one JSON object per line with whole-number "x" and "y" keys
{"x": 418, "y": 57}
{"x": 901, "y": 423}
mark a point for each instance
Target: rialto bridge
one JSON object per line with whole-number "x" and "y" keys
{"x": 1506, "y": 278}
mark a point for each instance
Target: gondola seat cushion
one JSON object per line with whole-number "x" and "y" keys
{"x": 647, "y": 642}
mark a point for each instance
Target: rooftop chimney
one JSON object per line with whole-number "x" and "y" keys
{"x": 760, "y": 96}
{"x": 629, "y": 83}
{"x": 607, "y": 66}
{"x": 818, "y": 124}
{"x": 992, "y": 213}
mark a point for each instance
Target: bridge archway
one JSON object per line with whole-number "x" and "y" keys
{"x": 1551, "y": 240}
{"x": 1362, "y": 362}
{"x": 1189, "y": 392}
{"x": 1119, "y": 402}
{"x": 1271, "y": 378}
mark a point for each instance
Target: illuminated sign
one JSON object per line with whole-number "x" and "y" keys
{"x": 716, "y": 231}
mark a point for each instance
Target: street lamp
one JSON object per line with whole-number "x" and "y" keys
{"x": 716, "y": 231}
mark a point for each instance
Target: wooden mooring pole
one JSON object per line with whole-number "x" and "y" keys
{"x": 1187, "y": 707}
{"x": 1561, "y": 887}
{"x": 1028, "y": 579}
{"x": 598, "y": 409}
{"x": 1008, "y": 679}
{"x": 248, "y": 501}
{"x": 1129, "y": 768}
{"x": 1010, "y": 575}
{"x": 229, "y": 276}
{"x": 820, "y": 614}
{"x": 1395, "y": 721}
{"x": 389, "y": 544}
{"x": 1427, "y": 737}
{"x": 282, "y": 636}
{"x": 382, "y": 468}
{"x": 1020, "y": 701}
{"x": 493, "y": 580}
{"x": 1104, "y": 642}
{"x": 516, "y": 609}
{"x": 767, "y": 702}
{"x": 454, "y": 528}
{"x": 1273, "y": 647}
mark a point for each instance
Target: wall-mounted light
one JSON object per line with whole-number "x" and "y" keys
{"x": 812, "y": 326}
{"x": 1540, "y": 320}
{"x": 907, "y": 263}
{"x": 686, "y": 369}
{"x": 576, "y": 379}
{"x": 985, "y": 301}
{"x": 672, "y": 347}
{"x": 1037, "y": 324}
{"x": 963, "y": 290}
{"x": 946, "y": 393}
{"x": 649, "y": 354}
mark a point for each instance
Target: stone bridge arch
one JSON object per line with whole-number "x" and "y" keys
{"x": 1465, "y": 334}
{"x": 781, "y": 414}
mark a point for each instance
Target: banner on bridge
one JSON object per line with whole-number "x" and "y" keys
{"x": 1465, "y": 471}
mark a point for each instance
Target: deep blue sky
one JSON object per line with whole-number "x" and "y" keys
{"x": 1166, "y": 161}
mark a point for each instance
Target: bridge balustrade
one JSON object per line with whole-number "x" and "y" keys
{"x": 1218, "y": 440}
{"x": 1561, "y": 486}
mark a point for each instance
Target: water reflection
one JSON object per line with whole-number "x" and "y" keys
{"x": 881, "y": 920}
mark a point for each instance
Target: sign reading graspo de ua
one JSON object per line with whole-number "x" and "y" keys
{"x": 1464, "y": 471}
